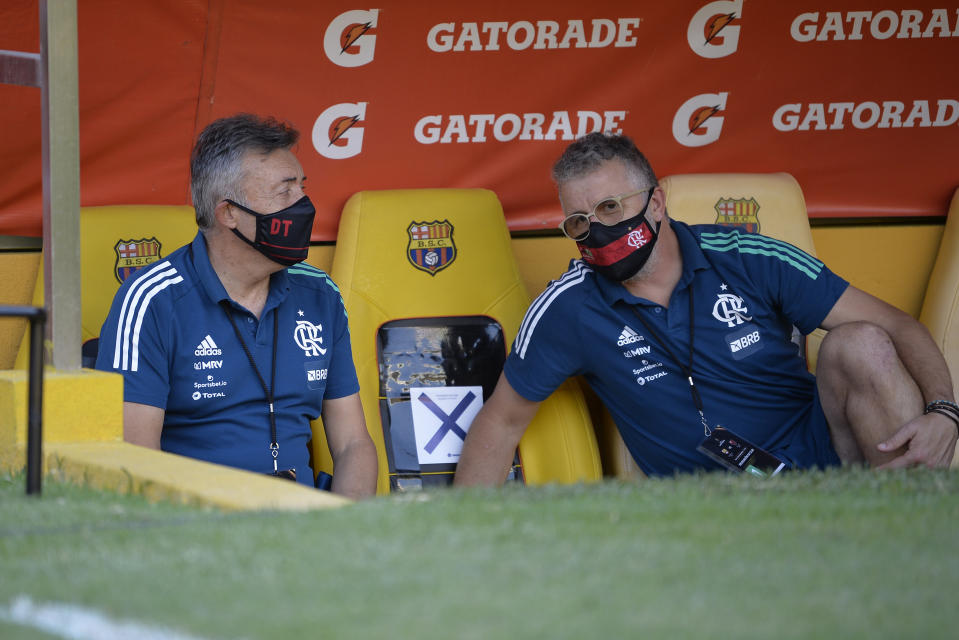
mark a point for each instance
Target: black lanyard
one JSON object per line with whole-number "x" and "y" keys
{"x": 268, "y": 391}
{"x": 687, "y": 370}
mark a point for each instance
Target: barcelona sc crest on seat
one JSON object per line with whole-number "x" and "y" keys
{"x": 431, "y": 248}
{"x": 133, "y": 255}
{"x": 741, "y": 213}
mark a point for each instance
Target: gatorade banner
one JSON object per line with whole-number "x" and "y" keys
{"x": 858, "y": 100}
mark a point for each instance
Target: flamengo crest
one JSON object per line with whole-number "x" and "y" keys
{"x": 741, "y": 213}
{"x": 431, "y": 246}
{"x": 133, "y": 255}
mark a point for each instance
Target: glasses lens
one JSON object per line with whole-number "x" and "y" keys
{"x": 576, "y": 226}
{"x": 609, "y": 211}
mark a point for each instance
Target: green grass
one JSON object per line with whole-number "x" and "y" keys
{"x": 841, "y": 554}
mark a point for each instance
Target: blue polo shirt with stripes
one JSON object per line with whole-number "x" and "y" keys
{"x": 748, "y": 292}
{"x": 169, "y": 336}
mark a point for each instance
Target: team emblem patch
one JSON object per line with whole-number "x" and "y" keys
{"x": 133, "y": 255}
{"x": 431, "y": 246}
{"x": 741, "y": 213}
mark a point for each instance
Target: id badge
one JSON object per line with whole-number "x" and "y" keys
{"x": 738, "y": 454}
{"x": 286, "y": 474}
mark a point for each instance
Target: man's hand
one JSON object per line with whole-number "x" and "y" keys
{"x": 929, "y": 439}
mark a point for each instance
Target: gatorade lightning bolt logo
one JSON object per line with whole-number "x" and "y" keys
{"x": 701, "y": 115}
{"x": 336, "y": 134}
{"x": 717, "y": 24}
{"x": 341, "y": 126}
{"x": 348, "y": 41}
{"x": 699, "y": 120}
{"x": 353, "y": 34}
{"x": 711, "y": 33}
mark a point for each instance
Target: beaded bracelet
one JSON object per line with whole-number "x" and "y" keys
{"x": 942, "y": 404}
{"x": 944, "y": 408}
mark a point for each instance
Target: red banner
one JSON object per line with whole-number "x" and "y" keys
{"x": 858, "y": 100}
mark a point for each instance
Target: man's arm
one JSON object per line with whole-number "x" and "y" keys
{"x": 931, "y": 438}
{"x": 493, "y": 436}
{"x": 142, "y": 424}
{"x": 352, "y": 449}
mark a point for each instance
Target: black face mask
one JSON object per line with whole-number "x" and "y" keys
{"x": 283, "y": 236}
{"x": 619, "y": 251}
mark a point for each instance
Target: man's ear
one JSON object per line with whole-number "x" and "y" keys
{"x": 226, "y": 214}
{"x": 657, "y": 205}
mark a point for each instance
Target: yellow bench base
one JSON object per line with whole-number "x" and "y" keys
{"x": 83, "y": 443}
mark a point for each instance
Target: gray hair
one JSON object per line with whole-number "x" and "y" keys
{"x": 216, "y": 164}
{"x": 589, "y": 152}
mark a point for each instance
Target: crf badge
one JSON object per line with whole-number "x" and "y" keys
{"x": 431, "y": 248}
{"x": 307, "y": 337}
{"x": 729, "y": 308}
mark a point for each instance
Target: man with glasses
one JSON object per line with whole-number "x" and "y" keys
{"x": 684, "y": 332}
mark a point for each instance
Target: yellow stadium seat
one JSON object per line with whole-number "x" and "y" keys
{"x": 114, "y": 242}
{"x": 940, "y": 306}
{"x": 434, "y": 299}
{"x": 767, "y": 203}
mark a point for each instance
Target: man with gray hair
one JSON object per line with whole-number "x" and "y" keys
{"x": 230, "y": 346}
{"x": 637, "y": 318}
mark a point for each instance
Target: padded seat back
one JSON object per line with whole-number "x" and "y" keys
{"x": 434, "y": 299}
{"x": 940, "y": 306}
{"x": 115, "y": 241}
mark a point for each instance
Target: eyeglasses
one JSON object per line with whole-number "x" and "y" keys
{"x": 609, "y": 211}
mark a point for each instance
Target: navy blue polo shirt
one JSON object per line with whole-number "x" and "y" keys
{"x": 747, "y": 291}
{"x": 169, "y": 336}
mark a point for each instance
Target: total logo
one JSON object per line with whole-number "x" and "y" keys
{"x": 348, "y": 41}
{"x": 712, "y": 33}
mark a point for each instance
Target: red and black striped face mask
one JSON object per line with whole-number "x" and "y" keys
{"x": 619, "y": 251}
{"x": 282, "y": 236}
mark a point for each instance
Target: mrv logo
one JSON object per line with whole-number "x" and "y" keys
{"x": 209, "y": 364}
{"x": 638, "y": 351}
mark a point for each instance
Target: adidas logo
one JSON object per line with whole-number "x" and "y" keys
{"x": 628, "y": 336}
{"x": 207, "y": 348}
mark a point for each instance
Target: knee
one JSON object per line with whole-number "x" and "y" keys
{"x": 857, "y": 345}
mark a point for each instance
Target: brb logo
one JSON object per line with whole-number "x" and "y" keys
{"x": 307, "y": 337}
{"x": 347, "y": 42}
{"x": 711, "y": 33}
{"x": 335, "y": 134}
{"x": 697, "y": 122}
